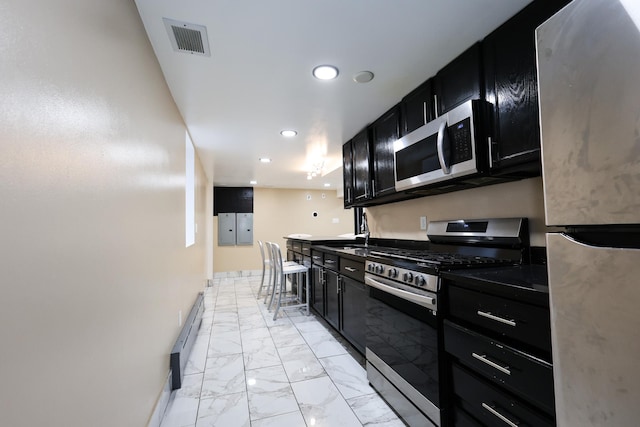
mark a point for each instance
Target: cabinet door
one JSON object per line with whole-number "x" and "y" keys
{"x": 384, "y": 132}
{"x": 317, "y": 289}
{"x": 459, "y": 81}
{"x": 417, "y": 108}
{"x": 509, "y": 58}
{"x": 347, "y": 173}
{"x": 332, "y": 299}
{"x": 354, "y": 296}
{"x": 361, "y": 166}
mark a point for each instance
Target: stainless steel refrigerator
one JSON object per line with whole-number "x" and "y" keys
{"x": 589, "y": 94}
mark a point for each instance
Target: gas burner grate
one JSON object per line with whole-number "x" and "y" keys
{"x": 439, "y": 258}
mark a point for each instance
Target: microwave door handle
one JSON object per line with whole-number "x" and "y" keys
{"x": 442, "y": 140}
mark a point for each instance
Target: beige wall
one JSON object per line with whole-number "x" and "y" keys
{"x": 93, "y": 264}
{"x": 514, "y": 199}
{"x": 279, "y": 212}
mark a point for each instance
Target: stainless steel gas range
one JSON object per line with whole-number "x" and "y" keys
{"x": 404, "y": 345}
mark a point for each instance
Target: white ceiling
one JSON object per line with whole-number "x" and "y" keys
{"x": 258, "y": 79}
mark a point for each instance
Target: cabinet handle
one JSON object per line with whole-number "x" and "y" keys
{"x": 483, "y": 358}
{"x": 330, "y": 261}
{"x": 435, "y": 104}
{"x": 499, "y": 415}
{"x": 373, "y": 189}
{"x": 424, "y": 113}
{"x": 490, "y": 152}
{"x": 366, "y": 189}
{"x": 496, "y": 318}
{"x": 351, "y": 269}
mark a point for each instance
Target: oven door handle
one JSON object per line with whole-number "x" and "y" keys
{"x": 425, "y": 301}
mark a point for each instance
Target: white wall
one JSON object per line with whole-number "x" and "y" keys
{"x": 93, "y": 264}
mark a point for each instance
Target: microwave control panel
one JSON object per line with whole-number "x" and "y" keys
{"x": 462, "y": 145}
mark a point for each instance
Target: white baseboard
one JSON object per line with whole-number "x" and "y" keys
{"x": 161, "y": 404}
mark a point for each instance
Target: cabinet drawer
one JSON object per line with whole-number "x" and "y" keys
{"x": 297, "y": 246}
{"x": 522, "y": 322}
{"x": 518, "y": 372}
{"x": 317, "y": 257}
{"x": 331, "y": 261}
{"x": 352, "y": 268}
{"x": 306, "y": 249}
{"x": 492, "y": 406}
{"x": 460, "y": 418}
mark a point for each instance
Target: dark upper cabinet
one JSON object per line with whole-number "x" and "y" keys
{"x": 460, "y": 80}
{"x": 510, "y": 76}
{"x": 361, "y": 166}
{"x": 417, "y": 108}
{"x": 384, "y": 132}
{"x": 347, "y": 174}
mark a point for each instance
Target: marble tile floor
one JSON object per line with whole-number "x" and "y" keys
{"x": 247, "y": 370}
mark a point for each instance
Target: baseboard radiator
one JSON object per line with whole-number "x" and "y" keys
{"x": 184, "y": 344}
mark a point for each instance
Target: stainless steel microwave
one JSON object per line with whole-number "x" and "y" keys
{"x": 447, "y": 148}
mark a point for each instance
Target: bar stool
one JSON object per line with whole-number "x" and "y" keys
{"x": 283, "y": 272}
{"x": 266, "y": 264}
{"x": 267, "y": 256}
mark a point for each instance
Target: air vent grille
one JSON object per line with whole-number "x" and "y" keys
{"x": 187, "y": 38}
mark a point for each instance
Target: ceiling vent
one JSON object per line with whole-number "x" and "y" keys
{"x": 187, "y": 38}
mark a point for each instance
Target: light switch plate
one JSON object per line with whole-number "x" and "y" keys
{"x": 423, "y": 223}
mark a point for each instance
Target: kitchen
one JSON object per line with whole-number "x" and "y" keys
{"x": 92, "y": 166}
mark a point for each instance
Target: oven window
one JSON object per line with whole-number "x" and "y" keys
{"x": 418, "y": 158}
{"x": 405, "y": 336}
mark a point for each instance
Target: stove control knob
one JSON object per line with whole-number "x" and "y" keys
{"x": 379, "y": 269}
{"x": 408, "y": 277}
{"x": 393, "y": 273}
{"x": 370, "y": 267}
{"x": 420, "y": 281}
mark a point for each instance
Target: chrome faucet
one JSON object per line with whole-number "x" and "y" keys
{"x": 364, "y": 228}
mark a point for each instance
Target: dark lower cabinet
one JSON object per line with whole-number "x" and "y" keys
{"x": 354, "y": 294}
{"x": 317, "y": 289}
{"x": 490, "y": 405}
{"x": 338, "y": 294}
{"x": 332, "y": 301}
{"x": 498, "y": 351}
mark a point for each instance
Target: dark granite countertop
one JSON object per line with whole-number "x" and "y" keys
{"x": 320, "y": 239}
{"x": 355, "y": 251}
{"x": 521, "y": 282}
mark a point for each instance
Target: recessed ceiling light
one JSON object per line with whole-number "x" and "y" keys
{"x": 253, "y": 182}
{"x": 327, "y": 184}
{"x": 363, "y": 77}
{"x": 288, "y": 133}
{"x": 265, "y": 160}
{"x": 325, "y": 72}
